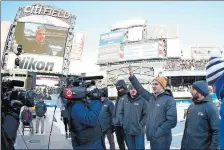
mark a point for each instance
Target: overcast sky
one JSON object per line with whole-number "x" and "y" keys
{"x": 201, "y": 23}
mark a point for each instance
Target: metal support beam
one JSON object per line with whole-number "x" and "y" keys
{"x": 68, "y": 48}
{"x": 9, "y": 40}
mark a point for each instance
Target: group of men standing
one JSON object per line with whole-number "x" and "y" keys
{"x": 138, "y": 112}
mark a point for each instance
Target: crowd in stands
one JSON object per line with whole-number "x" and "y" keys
{"x": 178, "y": 65}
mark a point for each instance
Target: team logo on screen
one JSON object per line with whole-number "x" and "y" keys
{"x": 31, "y": 64}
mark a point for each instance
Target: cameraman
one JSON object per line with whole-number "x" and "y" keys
{"x": 10, "y": 124}
{"x": 85, "y": 128}
{"x": 106, "y": 115}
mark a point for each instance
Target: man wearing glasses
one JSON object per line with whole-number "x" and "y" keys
{"x": 162, "y": 111}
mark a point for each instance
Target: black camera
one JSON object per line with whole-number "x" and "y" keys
{"x": 76, "y": 88}
{"x": 96, "y": 94}
{"x": 15, "y": 98}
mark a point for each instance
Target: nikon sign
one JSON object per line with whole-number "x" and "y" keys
{"x": 30, "y": 63}
{"x": 36, "y": 63}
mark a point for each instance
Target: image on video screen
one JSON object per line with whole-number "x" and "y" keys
{"x": 41, "y": 39}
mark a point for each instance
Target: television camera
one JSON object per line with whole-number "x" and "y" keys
{"x": 13, "y": 99}
{"x": 78, "y": 88}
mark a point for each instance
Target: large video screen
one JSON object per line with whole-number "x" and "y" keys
{"x": 137, "y": 51}
{"x": 41, "y": 39}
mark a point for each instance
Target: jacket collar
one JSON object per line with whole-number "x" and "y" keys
{"x": 165, "y": 92}
{"x": 208, "y": 98}
{"x": 132, "y": 99}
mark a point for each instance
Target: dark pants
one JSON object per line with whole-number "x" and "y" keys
{"x": 65, "y": 120}
{"x": 120, "y": 137}
{"x": 110, "y": 137}
{"x": 135, "y": 141}
{"x": 164, "y": 146}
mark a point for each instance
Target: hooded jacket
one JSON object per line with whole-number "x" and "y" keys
{"x": 162, "y": 113}
{"x": 201, "y": 126}
{"x": 118, "y": 105}
{"x": 134, "y": 114}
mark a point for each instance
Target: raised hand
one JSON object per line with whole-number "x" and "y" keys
{"x": 130, "y": 70}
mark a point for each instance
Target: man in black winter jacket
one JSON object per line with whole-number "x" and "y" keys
{"x": 134, "y": 115}
{"x": 105, "y": 119}
{"x": 162, "y": 111}
{"x": 202, "y": 123}
{"x": 119, "y": 131}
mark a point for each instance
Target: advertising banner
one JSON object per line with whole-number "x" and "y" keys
{"x": 40, "y": 39}
{"x": 109, "y": 53}
{"x": 111, "y": 37}
{"x": 78, "y": 46}
{"x": 36, "y": 63}
{"x": 141, "y": 50}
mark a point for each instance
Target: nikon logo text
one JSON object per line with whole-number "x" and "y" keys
{"x": 30, "y": 64}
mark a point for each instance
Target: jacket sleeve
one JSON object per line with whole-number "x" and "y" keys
{"x": 121, "y": 114}
{"x": 145, "y": 113}
{"x": 88, "y": 116}
{"x": 36, "y": 107}
{"x": 214, "y": 124}
{"x": 171, "y": 119}
{"x": 111, "y": 109}
{"x": 139, "y": 88}
{"x": 45, "y": 108}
